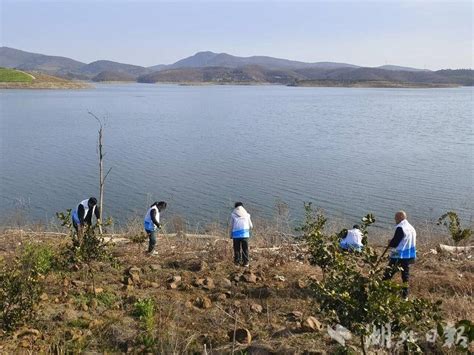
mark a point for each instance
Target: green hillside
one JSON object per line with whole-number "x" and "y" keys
{"x": 12, "y": 75}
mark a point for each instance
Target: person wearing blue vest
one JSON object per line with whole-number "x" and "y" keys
{"x": 352, "y": 240}
{"x": 83, "y": 214}
{"x": 240, "y": 225}
{"x": 152, "y": 224}
{"x": 403, "y": 251}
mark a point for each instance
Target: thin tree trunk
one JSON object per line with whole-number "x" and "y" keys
{"x": 101, "y": 180}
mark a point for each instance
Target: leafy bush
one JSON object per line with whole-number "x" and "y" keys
{"x": 145, "y": 311}
{"x": 454, "y": 225}
{"x": 21, "y": 284}
{"x": 353, "y": 293}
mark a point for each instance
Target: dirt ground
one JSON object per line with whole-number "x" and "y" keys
{"x": 201, "y": 298}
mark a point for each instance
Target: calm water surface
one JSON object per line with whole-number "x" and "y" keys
{"x": 350, "y": 151}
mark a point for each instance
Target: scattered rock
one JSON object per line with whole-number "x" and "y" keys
{"x": 242, "y": 336}
{"x": 250, "y": 277}
{"x": 237, "y": 277}
{"x": 175, "y": 279}
{"x": 154, "y": 284}
{"x": 279, "y": 278}
{"x": 133, "y": 274}
{"x": 27, "y": 332}
{"x": 173, "y": 286}
{"x": 301, "y": 283}
{"x": 122, "y": 333}
{"x": 221, "y": 297}
{"x": 69, "y": 315}
{"x": 225, "y": 283}
{"x": 73, "y": 334}
{"x": 203, "y": 302}
{"x": 155, "y": 267}
{"x": 311, "y": 324}
{"x": 255, "y": 307}
{"x": 44, "y": 297}
{"x": 198, "y": 282}
{"x": 208, "y": 283}
{"x": 197, "y": 265}
{"x": 295, "y": 316}
{"x": 84, "y": 307}
{"x": 78, "y": 283}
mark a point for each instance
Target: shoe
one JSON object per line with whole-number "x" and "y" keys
{"x": 246, "y": 265}
{"x": 153, "y": 252}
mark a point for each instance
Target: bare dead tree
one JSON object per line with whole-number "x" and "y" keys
{"x": 102, "y": 177}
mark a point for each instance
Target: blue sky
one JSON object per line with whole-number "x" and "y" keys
{"x": 422, "y": 34}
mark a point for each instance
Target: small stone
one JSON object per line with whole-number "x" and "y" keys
{"x": 175, "y": 279}
{"x": 279, "y": 278}
{"x": 154, "y": 284}
{"x": 155, "y": 267}
{"x": 44, "y": 297}
{"x": 250, "y": 278}
{"x": 27, "y": 332}
{"x": 203, "y": 302}
{"x": 84, "y": 307}
{"x": 242, "y": 336}
{"x": 301, "y": 283}
{"x": 255, "y": 307}
{"x": 311, "y": 324}
{"x": 173, "y": 286}
{"x": 198, "y": 282}
{"x": 225, "y": 283}
{"x": 221, "y": 297}
{"x": 78, "y": 283}
{"x": 56, "y": 300}
{"x": 208, "y": 283}
{"x": 295, "y": 316}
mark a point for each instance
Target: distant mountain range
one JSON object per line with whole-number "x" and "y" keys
{"x": 226, "y": 68}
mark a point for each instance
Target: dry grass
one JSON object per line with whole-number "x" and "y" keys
{"x": 71, "y": 319}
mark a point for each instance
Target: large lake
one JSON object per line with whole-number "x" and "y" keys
{"x": 201, "y": 148}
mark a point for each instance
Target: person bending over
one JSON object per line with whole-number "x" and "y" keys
{"x": 83, "y": 214}
{"x": 240, "y": 225}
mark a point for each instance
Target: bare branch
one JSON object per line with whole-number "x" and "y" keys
{"x": 105, "y": 177}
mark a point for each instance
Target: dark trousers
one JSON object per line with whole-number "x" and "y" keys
{"x": 393, "y": 268}
{"x": 151, "y": 240}
{"x": 241, "y": 250}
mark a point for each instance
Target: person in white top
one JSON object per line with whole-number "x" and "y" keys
{"x": 403, "y": 252}
{"x": 352, "y": 240}
{"x": 240, "y": 225}
{"x": 152, "y": 224}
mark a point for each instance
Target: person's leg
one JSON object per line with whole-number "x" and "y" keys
{"x": 151, "y": 241}
{"x": 76, "y": 236}
{"x": 245, "y": 251}
{"x": 80, "y": 234}
{"x": 237, "y": 254}
{"x": 391, "y": 269}
{"x": 405, "y": 264}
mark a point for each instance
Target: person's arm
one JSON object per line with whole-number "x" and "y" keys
{"x": 250, "y": 223}
{"x": 81, "y": 214}
{"x": 153, "y": 218}
{"x": 397, "y": 238}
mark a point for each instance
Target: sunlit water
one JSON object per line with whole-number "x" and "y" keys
{"x": 350, "y": 151}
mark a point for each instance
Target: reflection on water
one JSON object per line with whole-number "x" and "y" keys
{"x": 350, "y": 151}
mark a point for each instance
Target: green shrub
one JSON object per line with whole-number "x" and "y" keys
{"x": 21, "y": 283}
{"x": 454, "y": 225}
{"x": 353, "y": 292}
